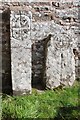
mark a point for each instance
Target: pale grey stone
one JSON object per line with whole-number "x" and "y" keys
{"x": 60, "y": 59}
{"x": 21, "y": 69}
{"x": 20, "y": 52}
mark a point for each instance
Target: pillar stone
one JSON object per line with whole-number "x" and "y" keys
{"x": 20, "y": 24}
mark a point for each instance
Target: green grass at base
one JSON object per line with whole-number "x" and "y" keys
{"x": 57, "y": 104}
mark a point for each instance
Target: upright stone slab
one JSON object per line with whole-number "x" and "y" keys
{"x": 60, "y": 63}
{"x": 20, "y": 51}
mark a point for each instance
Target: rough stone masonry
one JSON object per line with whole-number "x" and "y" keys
{"x": 44, "y": 41}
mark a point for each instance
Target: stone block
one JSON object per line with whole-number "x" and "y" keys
{"x": 20, "y": 29}
{"x": 60, "y": 61}
{"x": 20, "y": 52}
{"x": 21, "y": 70}
{"x": 20, "y": 37}
{"x": 15, "y": 19}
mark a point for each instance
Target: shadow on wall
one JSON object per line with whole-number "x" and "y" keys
{"x": 38, "y": 65}
{"x": 6, "y": 53}
{"x": 39, "y": 55}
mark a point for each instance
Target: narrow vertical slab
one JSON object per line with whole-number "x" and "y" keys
{"x": 67, "y": 66}
{"x": 53, "y": 64}
{"x": 20, "y": 52}
{"x": 60, "y": 64}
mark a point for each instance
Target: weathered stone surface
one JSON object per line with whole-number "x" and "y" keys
{"x": 31, "y": 22}
{"x": 60, "y": 62}
{"x": 20, "y": 52}
{"x": 21, "y": 70}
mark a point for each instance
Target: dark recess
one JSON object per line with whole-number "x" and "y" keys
{"x": 6, "y": 53}
{"x": 39, "y": 55}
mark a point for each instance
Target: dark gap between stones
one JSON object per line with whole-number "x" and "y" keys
{"x": 6, "y": 54}
{"x": 39, "y": 55}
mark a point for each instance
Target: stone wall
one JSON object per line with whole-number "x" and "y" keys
{"x": 60, "y": 19}
{"x": 52, "y": 29}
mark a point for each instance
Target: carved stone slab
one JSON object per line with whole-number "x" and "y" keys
{"x": 20, "y": 22}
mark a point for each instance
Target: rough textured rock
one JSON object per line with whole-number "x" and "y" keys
{"x": 20, "y": 52}
{"x": 31, "y": 23}
{"x": 60, "y": 20}
{"x": 60, "y": 61}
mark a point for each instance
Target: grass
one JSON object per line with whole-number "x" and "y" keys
{"x": 59, "y": 104}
